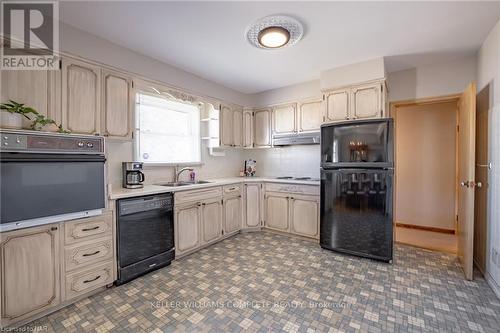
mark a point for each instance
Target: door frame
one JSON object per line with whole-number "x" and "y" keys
{"x": 393, "y": 107}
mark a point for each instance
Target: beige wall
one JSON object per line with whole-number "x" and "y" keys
{"x": 426, "y": 165}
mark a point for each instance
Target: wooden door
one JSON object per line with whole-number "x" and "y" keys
{"x": 277, "y": 211}
{"x": 337, "y": 105}
{"x": 247, "y": 129}
{"x": 226, "y": 126}
{"x": 80, "y": 97}
{"x": 284, "y": 118}
{"x": 29, "y": 272}
{"x": 187, "y": 227}
{"x": 211, "y": 212}
{"x": 232, "y": 214}
{"x": 482, "y": 171}
{"x": 262, "y": 128}
{"x": 238, "y": 128}
{"x": 37, "y": 89}
{"x": 367, "y": 101}
{"x": 252, "y": 205}
{"x": 304, "y": 215}
{"x": 310, "y": 116}
{"x": 117, "y": 106}
{"x": 466, "y": 178}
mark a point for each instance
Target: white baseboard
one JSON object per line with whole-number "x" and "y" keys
{"x": 493, "y": 284}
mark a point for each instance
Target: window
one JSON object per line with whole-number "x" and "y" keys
{"x": 167, "y": 131}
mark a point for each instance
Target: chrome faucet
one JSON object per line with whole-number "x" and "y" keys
{"x": 178, "y": 173}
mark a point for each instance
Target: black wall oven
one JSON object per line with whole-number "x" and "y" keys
{"x": 47, "y": 178}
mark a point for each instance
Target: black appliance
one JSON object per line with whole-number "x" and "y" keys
{"x": 357, "y": 170}
{"x": 132, "y": 175}
{"x": 49, "y": 177}
{"x": 145, "y": 235}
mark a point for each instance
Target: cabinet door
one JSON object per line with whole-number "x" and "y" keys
{"x": 238, "y": 128}
{"x": 30, "y": 272}
{"x": 310, "y": 116}
{"x": 187, "y": 228}
{"x": 37, "y": 89}
{"x": 284, "y": 118}
{"x": 117, "y": 106}
{"x": 277, "y": 212}
{"x": 232, "y": 214}
{"x": 304, "y": 217}
{"x": 337, "y": 105}
{"x": 80, "y": 97}
{"x": 247, "y": 129}
{"x": 252, "y": 206}
{"x": 226, "y": 126}
{"x": 211, "y": 220}
{"x": 367, "y": 101}
{"x": 262, "y": 125}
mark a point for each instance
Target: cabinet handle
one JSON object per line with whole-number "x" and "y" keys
{"x": 92, "y": 280}
{"x": 239, "y": 196}
{"x": 347, "y": 117}
{"x": 90, "y": 229}
{"x": 199, "y": 204}
{"x": 91, "y": 254}
{"x": 53, "y": 229}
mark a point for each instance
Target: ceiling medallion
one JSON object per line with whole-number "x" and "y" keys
{"x": 274, "y": 32}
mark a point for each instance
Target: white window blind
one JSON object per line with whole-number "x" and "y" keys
{"x": 167, "y": 131}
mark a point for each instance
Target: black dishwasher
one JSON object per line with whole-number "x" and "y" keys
{"x": 145, "y": 235}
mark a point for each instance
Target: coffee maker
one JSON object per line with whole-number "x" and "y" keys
{"x": 132, "y": 175}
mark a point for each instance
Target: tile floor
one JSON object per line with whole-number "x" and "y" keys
{"x": 262, "y": 282}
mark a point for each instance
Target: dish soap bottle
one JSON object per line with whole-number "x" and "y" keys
{"x": 192, "y": 176}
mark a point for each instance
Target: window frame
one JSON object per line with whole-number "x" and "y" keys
{"x": 136, "y": 134}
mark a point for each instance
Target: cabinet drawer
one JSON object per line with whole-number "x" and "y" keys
{"x": 232, "y": 190}
{"x": 89, "y": 228}
{"x": 84, "y": 255}
{"x": 197, "y": 195}
{"x": 84, "y": 281}
{"x": 293, "y": 188}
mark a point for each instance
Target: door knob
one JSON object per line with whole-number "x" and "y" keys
{"x": 479, "y": 184}
{"x": 464, "y": 184}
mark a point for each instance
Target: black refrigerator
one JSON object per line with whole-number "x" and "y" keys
{"x": 357, "y": 170}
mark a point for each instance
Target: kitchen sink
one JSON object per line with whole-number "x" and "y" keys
{"x": 183, "y": 183}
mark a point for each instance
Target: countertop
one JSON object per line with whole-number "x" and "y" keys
{"x": 120, "y": 193}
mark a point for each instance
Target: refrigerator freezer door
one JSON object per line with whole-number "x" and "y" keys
{"x": 356, "y": 212}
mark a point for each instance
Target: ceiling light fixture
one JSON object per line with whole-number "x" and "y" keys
{"x": 274, "y": 32}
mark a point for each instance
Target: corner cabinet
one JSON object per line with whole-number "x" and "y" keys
{"x": 363, "y": 101}
{"x": 253, "y": 205}
{"x": 262, "y": 128}
{"x": 117, "y": 106}
{"x": 81, "y": 97}
{"x": 30, "y": 273}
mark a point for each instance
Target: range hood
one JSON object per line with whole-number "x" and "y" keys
{"x": 311, "y": 138}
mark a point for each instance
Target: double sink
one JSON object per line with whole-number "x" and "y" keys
{"x": 183, "y": 183}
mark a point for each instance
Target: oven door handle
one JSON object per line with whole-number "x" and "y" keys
{"x": 29, "y": 157}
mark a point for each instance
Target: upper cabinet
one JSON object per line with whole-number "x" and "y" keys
{"x": 231, "y": 126}
{"x": 262, "y": 128}
{"x": 238, "y": 127}
{"x": 364, "y": 101}
{"x": 81, "y": 97}
{"x": 248, "y": 129}
{"x": 310, "y": 115}
{"x": 117, "y": 105}
{"x": 285, "y": 119}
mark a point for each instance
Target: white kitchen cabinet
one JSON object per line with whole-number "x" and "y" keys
{"x": 363, "y": 101}
{"x": 238, "y": 128}
{"x": 304, "y": 215}
{"x": 187, "y": 228}
{"x": 117, "y": 105}
{"x": 310, "y": 115}
{"x": 211, "y": 220}
{"x": 81, "y": 96}
{"x": 30, "y": 272}
{"x": 285, "y": 118}
{"x": 337, "y": 105}
{"x": 247, "y": 129}
{"x": 226, "y": 126}
{"x": 277, "y": 211}
{"x": 262, "y": 128}
{"x": 253, "y": 205}
{"x": 232, "y": 214}
{"x": 35, "y": 88}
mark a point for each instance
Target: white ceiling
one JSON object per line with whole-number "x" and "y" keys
{"x": 208, "y": 38}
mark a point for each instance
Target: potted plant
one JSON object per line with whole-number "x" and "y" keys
{"x": 12, "y": 113}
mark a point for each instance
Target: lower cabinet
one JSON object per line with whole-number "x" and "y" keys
{"x": 253, "y": 205}
{"x": 29, "y": 272}
{"x": 277, "y": 211}
{"x": 211, "y": 219}
{"x": 232, "y": 214}
{"x": 187, "y": 228}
